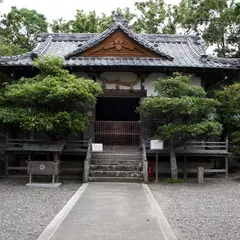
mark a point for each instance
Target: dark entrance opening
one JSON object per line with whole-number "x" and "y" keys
{"x": 117, "y": 109}
{"x": 117, "y": 122}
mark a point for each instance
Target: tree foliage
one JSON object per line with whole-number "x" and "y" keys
{"x": 54, "y": 101}
{"x": 184, "y": 112}
{"x": 229, "y": 112}
{"x": 218, "y": 21}
{"x": 10, "y": 50}
{"x": 20, "y": 27}
{"x": 88, "y": 22}
{"x": 155, "y": 17}
{"x": 229, "y": 109}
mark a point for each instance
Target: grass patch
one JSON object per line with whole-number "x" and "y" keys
{"x": 171, "y": 180}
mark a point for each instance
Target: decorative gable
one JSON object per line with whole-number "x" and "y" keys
{"x": 119, "y": 40}
{"x": 118, "y": 44}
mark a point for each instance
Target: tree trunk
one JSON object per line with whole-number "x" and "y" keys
{"x": 173, "y": 160}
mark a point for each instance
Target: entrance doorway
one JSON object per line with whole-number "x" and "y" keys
{"x": 117, "y": 109}
{"x": 117, "y": 122}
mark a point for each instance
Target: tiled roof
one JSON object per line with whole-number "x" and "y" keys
{"x": 179, "y": 50}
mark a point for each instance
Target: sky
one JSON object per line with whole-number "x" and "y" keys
{"x": 54, "y": 9}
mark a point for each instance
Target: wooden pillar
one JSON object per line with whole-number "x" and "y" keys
{"x": 6, "y": 165}
{"x": 56, "y": 158}
{"x": 90, "y": 131}
{"x": 226, "y": 166}
{"x": 185, "y": 168}
{"x": 142, "y": 77}
{"x": 142, "y": 127}
{"x": 29, "y": 168}
{"x": 156, "y": 180}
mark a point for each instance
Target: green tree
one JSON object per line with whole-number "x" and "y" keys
{"x": 217, "y": 21}
{"x": 155, "y": 17}
{"x": 60, "y": 26}
{"x": 184, "y": 112}
{"x": 229, "y": 109}
{"x": 10, "y": 50}
{"x": 54, "y": 101}
{"x": 88, "y": 22}
{"x": 21, "y": 27}
{"x": 229, "y": 112}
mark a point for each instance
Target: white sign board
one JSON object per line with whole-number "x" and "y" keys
{"x": 97, "y": 147}
{"x": 156, "y": 145}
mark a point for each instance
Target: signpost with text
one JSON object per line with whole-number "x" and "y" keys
{"x": 156, "y": 144}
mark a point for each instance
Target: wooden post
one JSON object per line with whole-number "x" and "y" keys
{"x": 156, "y": 166}
{"x": 145, "y": 168}
{"x": 200, "y": 174}
{"x": 142, "y": 127}
{"x": 57, "y": 166}
{"x": 29, "y": 168}
{"x": 30, "y": 177}
{"x": 86, "y": 169}
{"x": 6, "y": 165}
{"x": 185, "y": 168}
{"x": 53, "y": 178}
{"x": 226, "y": 166}
{"x": 55, "y": 157}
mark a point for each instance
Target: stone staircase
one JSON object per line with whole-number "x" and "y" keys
{"x": 117, "y": 164}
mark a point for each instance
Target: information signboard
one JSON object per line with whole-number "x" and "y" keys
{"x": 97, "y": 147}
{"x": 156, "y": 144}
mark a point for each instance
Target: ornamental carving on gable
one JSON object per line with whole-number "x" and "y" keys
{"x": 119, "y": 44}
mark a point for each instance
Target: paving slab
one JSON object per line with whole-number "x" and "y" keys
{"x": 111, "y": 211}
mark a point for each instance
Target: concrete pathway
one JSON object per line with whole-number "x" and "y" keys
{"x": 111, "y": 211}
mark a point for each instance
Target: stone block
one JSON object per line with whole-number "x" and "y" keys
{"x": 43, "y": 185}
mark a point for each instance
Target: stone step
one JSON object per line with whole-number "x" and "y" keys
{"x": 94, "y": 173}
{"x": 115, "y": 162}
{"x": 122, "y": 156}
{"x": 126, "y": 149}
{"x": 115, "y": 179}
{"x": 116, "y": 167}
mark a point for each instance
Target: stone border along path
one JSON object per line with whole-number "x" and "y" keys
{"x": 55, "y": 223}
{"x": 163, "y": 223}
{"x": 110, "y": 211}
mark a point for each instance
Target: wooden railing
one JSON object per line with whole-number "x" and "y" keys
{"x": 198, "y": 147}
{"x": 204, "y": 146}
{"x": 18, "y": 143}
{"x": 87, "y": 161}
{"x": 69, "y": 145}
{"x": 117, "y": 132}
{"x": 144, "y": 162}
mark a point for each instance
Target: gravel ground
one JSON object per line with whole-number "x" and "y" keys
{"x": 25, "y": 212}
{"x": 209, "y": 211}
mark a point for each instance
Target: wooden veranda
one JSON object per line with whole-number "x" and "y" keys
{"x": 193, "y": 149}
{"x": 83, "y": 148}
